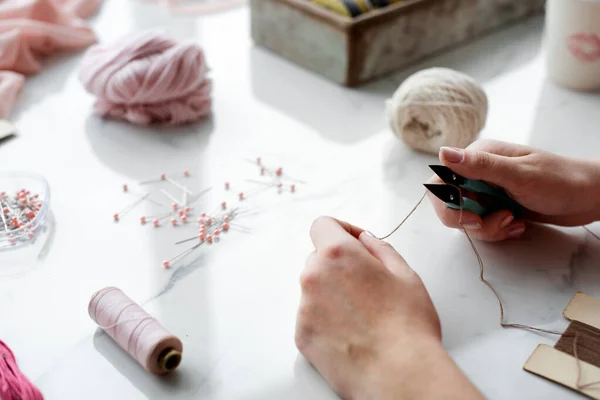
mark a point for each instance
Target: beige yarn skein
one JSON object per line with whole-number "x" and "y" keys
{"x": 437, "y": 107}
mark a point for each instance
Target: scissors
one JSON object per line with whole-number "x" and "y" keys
{"x": 476, "y": 196}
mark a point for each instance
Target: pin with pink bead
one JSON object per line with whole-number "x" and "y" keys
{"x": 175, "y": 205}
{"x": 275, "y": 178}
{"x": 210, "y": 230}
{"x": 24, "y": 204}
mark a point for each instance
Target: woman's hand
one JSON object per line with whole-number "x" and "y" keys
{"x": 554, "y": 189}
{"x": 367, "y": 323}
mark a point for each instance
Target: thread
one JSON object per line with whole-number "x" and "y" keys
{"x": 13, "y": 384}
{"x": 139, "y": 334}
{"x": 148, "y": 78}
{"x": 576, "y": 330}
{"x": 437, "y": 107}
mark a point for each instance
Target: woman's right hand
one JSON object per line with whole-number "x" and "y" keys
{"x": 554, "y": 189}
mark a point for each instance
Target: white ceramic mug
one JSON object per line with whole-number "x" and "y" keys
{"x": 573, "y": 43}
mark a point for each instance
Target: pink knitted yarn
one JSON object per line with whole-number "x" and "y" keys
{"x": 13, "y": 384}
{"x": 148, "y": 78}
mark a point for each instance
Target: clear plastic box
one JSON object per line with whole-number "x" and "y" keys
{"x": 11, "y": 183}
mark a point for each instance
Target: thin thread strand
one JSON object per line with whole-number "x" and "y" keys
{"x": 404, "y": 220}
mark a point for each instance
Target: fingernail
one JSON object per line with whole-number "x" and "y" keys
{"x": 516, "y": 233}
{"x": 506, "y": 221}
{"x": 451, "y": 154}
{"x": 472, "y": 226}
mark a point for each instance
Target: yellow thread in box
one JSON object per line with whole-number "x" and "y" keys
{"x": 347, "y": 8}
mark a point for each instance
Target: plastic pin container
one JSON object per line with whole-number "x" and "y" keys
{"x": 11, "y": 183}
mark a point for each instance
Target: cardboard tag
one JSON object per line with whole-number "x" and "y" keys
{"x": 562, "y": 368}
{"x": 584, "y": 308}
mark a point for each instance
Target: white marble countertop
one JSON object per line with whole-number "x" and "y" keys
{"x": 234, "y": 304}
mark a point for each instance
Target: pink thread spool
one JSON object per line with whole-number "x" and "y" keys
{"x": 136, "y": 331}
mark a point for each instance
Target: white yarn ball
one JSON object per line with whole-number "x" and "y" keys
{"x": 437, "y": 107}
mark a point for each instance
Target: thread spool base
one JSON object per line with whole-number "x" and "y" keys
{"x": 169, "y": 359}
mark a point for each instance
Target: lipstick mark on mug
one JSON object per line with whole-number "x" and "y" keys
{"x": 584, "y": 46}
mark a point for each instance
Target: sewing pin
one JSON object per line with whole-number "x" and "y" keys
{"x": 127, "y": 209}
{"x": 179, "y": 186}
{"x": 163, "y": 177}
{"x": 175, "y": 204}
{"x": 167, "y": 264}
{"x": 198, "y": 196}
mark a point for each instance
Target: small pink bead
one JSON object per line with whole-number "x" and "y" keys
{"x": 173, "y": 222}
{"x": 293, "y": 188}
{"x": 279, "y": 171}
{"x": 241, "y": 196}
{"x": 163, "y": 176}
{"x": 227, "y": 219}
{"x": 201, "y": 237}
{"x": 203, "y": 215}
{"x": 156, "y": 223}
{"x": 184, "y": 219}
{"x": 116, "y": 217}
{"x": 175, "y": 206}
{"x": 223, "y": 205}
{"x": 258, "y": 160}
{"x": 186, "y": 173}
{"x": 225, "y": 227}
{"x": 187, "y": 210}
{"x": 216, "y": 232}
{"x": 208, "y": 221}
{"x": 166, "y": 264}
{"x": 226, "y": 185}
{"x": 125, "y": 188}
{"x": 209, "y": 239}
{"x": 279, "y": 186}
{"x": 262, "y": 170}
{"x": 143, "y": 220}
{"x": 181, "y": 213}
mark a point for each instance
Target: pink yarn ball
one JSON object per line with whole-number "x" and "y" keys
{"x": 148, "y": 79}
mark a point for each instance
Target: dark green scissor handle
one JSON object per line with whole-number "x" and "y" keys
{"x": 501, "y": 201}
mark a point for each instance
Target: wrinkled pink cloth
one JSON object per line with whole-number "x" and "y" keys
{"x": 148, "y": 78}
{"x": 11, "y": 84}
{"x": 31, "y": 29}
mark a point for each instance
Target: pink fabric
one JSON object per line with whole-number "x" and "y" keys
{"x": 13, "y": 384}
{"x": 31, "y": 29}
{"x": 80, "y": 8}
{"x": 148, "y": 78}
{"x": 11, "y": 84}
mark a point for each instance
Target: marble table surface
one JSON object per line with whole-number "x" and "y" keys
{"x": 233, "y": 304}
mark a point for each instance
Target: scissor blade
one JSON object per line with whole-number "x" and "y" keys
{"x": 447, "y": 175}
{"x": 446, "y": 193}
